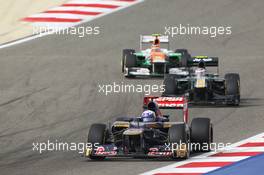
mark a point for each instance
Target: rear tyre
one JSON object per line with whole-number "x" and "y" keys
{"x": 201, "y": 134}
{"x": 178, "y": 136}
{"x": 128, "y": 59}
{"x": 185, "y": 57}
{"x": 169, "y": 85}
{"x": 97, "y": 135}
{"x": 232, "y": 83}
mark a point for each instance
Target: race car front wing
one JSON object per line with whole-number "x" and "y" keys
{"x": 110, "y": 150}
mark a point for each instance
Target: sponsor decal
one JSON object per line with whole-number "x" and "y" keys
{"x": 101, "y": 151}
{"x": 204, "y": 59}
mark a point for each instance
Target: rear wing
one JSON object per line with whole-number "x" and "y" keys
{"x": 209, "y": 61}
{"x": 147, "y": 39}
{"x": 169, "y": 103}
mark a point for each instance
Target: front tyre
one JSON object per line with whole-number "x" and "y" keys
{"x": 128, "y": 59}
{"x": 97, "y": 135}
{"x": 179, "y": 140}
{"x": 169, "y": 85}
{"x": 232, "y": 86}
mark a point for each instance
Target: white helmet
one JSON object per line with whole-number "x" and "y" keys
{"x": 148, "y": 116}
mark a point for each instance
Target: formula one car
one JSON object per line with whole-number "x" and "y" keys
{"x": 153, "y": 61}
{"x": 202, "y": 87}
{"x": 151, "y": 134}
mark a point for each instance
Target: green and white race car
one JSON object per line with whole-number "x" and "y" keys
{"x": 154, "y": 61}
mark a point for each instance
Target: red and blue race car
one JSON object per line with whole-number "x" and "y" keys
{"x": 152, "y": 134}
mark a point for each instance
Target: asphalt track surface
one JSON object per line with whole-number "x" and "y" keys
{"x": 49, "y": 85}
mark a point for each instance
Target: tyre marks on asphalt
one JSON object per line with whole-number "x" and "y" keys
{"x": 211, "y": 161}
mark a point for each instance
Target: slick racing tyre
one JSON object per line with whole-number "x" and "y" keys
{"x": 128, "y": 59}
{"x": 185, "y": 57}
{"x": 179, "y": 138}
{"x": 169, "y": 85}
{"x": 201, "y": 134}
{"x": 232, "y": 83}
{"x": 97, "y": 135}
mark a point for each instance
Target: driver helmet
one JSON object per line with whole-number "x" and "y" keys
{"x": 201, "y": 65}
{"x": 148, "y": 116}
{"x": 200, "y": 71}
{"x": 156, "y": 41}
